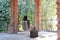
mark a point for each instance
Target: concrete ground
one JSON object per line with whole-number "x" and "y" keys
{"x": 26, "y": 36}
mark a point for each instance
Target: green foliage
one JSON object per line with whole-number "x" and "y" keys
{"x": 4, "y": 14}
{"x": 48, "y": 10}
{"x": 26, "y": 8}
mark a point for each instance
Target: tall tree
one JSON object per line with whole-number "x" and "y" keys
{"x": 37, "y": 13}
{"x": 58, "y": 19}
{"x": 13, "y": 27}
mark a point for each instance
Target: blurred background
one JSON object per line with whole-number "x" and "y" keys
{"x": 26, "y": 7}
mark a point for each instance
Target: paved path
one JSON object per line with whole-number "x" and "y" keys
{"x": 26, "y": 36}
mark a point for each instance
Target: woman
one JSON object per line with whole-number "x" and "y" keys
{"x": 26, "y": 23}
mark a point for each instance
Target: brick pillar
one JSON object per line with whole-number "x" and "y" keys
{"x": 13, "y": 26}
{"x": 37, "y": 14}
{"x": 58, "y": 19}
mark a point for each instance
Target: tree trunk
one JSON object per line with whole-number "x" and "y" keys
{"x": 58, "y": 19}
{"x": 37, "y": 14}
{"x": 13, "y": 26}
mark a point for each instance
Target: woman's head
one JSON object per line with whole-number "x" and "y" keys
{"x": 25, "y": 18}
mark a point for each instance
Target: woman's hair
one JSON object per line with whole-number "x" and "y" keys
{"x": 25, "y": 18}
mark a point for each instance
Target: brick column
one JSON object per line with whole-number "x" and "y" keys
{"x": 37, "y": 14}
{"x": 58, "y": 19}
{"x": 13, "y": 26}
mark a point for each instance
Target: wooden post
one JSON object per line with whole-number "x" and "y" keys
{"x": 37, "y": 14}
{"x": 13, "y": 26}
{"x": 58, "y": 19}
